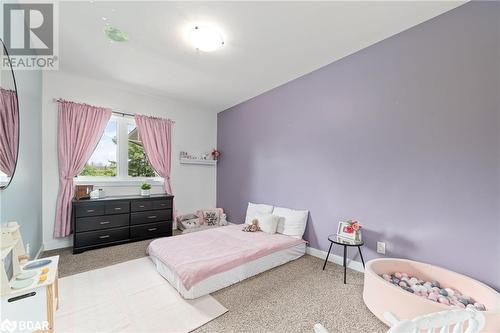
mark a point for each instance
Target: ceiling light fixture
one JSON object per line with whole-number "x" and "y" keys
{"x": 206, "y": 38}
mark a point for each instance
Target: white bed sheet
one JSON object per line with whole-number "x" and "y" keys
{"x": 232, "y": 276}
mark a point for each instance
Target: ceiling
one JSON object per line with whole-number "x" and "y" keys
{"x": 266, "y": 43}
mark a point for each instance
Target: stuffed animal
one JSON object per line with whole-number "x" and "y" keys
{"x": 253, "y": 227}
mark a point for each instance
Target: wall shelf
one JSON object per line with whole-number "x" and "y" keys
{"x": 198, "y": 161}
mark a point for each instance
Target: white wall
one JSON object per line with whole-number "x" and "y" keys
{"x": 195, "y": 130}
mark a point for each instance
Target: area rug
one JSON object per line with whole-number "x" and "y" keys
{"x": 128, "y": 297}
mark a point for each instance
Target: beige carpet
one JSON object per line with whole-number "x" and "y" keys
{"x": 128, "y": 297}
{"x": 289, "y": 298}
{"x": 70, "y": 263}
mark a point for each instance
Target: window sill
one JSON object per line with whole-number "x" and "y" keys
{"x": 116, "y": 182}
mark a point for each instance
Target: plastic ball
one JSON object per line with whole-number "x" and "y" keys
{"x": 443, "y": 292}
{"x": 432, "y": 291}
{"x": 480, "y": 306}
{"x": 409, "y": 290}
{"x": 443, "y": 300}
{"x": 436, "y": 284}
{"x": 463, "y": 301}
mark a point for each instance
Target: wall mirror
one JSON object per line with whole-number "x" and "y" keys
{"x": 9, "y": 120}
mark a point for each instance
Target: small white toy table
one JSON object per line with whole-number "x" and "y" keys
{"x": 31, "y": 309}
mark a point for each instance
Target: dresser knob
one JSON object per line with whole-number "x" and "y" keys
{"x": 152, "y": 229}
{"x": 104, "y": 222}
{"x": 152, "y": 217}
{"x": 118, "y": 208}
{"x": 104, "y": 236}
{"x": 90, "y": 210}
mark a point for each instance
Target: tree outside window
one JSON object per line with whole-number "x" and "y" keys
{"x": 138, "y": 164}
{"x": 105, "y": 161}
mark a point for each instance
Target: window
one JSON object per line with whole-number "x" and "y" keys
{"x": 4, "y": 180}
{"x": 103, "y": 162}
{"x": 138, "y": 164}
{"x": 119, "y": 154}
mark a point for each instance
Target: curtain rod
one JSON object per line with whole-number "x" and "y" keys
{"x": 123, "y": 114}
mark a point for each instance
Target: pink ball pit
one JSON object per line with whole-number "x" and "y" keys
{"x": 381, "y": 296}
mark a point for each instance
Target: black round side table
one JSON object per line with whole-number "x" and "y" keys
{"x": 345, "y": 243}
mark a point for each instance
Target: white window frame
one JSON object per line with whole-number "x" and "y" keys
{"x": 122, "y": 178}
{"x": 4, "y": 180}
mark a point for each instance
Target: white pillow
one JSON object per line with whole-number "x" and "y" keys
{"x": 268, "y": 222}
{"x": 293, "y": 222}
{"x": 254, "y": 209}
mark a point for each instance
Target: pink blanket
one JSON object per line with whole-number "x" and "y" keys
{"x": 199, "y": 255}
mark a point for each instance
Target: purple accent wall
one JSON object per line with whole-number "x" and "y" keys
{"x": 403, "y": 135}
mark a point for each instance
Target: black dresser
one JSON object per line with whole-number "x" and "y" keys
{"x": 117, "y": 220}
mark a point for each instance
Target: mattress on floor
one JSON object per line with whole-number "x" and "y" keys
{"x": 232, "y": 276}
{"x": 196, "y": 256}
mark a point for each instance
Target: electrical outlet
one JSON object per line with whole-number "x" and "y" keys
{"x": 381, "y": 247}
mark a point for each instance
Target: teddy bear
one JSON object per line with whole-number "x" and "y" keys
{"x": 252, "y": 227}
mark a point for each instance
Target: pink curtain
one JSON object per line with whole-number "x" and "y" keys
{"x": 9, "y": 131}
{"x": 156, "y": 136}
{"x": 80, "y": 128}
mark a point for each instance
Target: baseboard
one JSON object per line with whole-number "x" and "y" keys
{"x": 355, "y": 265}
{"x": 58, "y": 243}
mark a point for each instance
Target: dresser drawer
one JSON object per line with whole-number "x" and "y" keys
{"x": 117, "y": 207}
{"x": 151, "y": 216}
{"x": 162, "y": 204}
{"x": 89, "y": 209}
{"x": 151, "y": 230}
{"x": 101, "y": 222}
{"x": 138, "y": 206}
{"x": 101, "y": 237}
